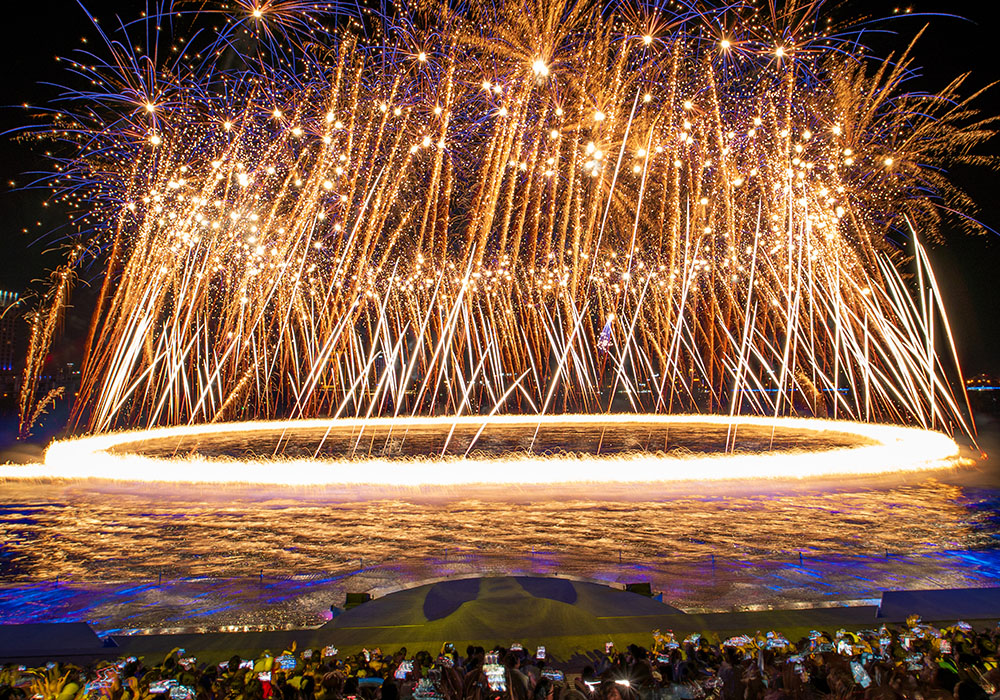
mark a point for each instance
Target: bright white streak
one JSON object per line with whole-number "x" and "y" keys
{"x": 898, "y": 449}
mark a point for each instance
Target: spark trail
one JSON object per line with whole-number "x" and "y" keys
{"x": 512, "y": 207}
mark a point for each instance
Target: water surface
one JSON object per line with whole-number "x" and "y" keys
{"x": 126, "y": 556}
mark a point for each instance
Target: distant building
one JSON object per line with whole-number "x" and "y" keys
{"x": 982, "y": 382}
{"x": 10, "y": 314}
{"x": 984, "y": 393}
{"x": 12, "y": 333}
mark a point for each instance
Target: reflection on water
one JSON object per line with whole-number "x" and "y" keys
{"x": 282, "y": 556}
{"x": 72, "y": 533}
{"x": 78, "y": 533}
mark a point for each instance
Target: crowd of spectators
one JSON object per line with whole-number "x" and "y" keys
{"x": 915, "y": 661}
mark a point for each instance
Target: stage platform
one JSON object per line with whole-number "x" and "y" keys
{"x": 571, "y": 618}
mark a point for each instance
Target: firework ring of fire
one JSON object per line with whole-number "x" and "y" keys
{"x": 881, "y": 449}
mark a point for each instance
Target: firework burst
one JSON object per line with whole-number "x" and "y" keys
{"x": 301, "y": 209}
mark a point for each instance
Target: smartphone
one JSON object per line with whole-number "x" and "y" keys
{"x": 540, "y": 654}
{"x": 553, "y": 674}
{"x": 247, "y": 664}
{"x": 404, "y": 670}
{"x": 496, "y": 677}
{"x": 945, "y": 646}
{"x": 181, "y": 692}
{"x": 286, "y": 662}
{"x": 844, "y": 648}
{"x": 164, "y": 686}
{"x": 609, "y": 647}
{"x": 861, "y": 676}
{"x": 264, "y": 676}
{"x": 367, "y": 654}
{"x": 446, "y": 661}
{"x": 93, "y": 688}
{"x": 330, "y": 651}
{"x": 307, "y": 654}
{"x": 516, "y": 646}
{"x": 187, "y": 663}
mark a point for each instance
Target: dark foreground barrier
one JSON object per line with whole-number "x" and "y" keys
{"x": 63, "y": 642}
{"x": 944, "y": 604}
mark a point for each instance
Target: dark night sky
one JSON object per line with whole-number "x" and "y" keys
{"x": 968, "y": 267}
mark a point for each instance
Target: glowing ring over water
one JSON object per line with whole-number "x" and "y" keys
{"x": 896, "y": 449}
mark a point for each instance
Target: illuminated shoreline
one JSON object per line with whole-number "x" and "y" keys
{"x": 897, "y": 450}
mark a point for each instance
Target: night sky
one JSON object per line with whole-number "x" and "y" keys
{"x": 964, "y": 40}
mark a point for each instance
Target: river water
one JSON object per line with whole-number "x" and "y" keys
{"x": 159, "y": 557}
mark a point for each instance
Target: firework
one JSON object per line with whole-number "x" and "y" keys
{"x": 517, "y": 207}
{"x": 863, "y": 450}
